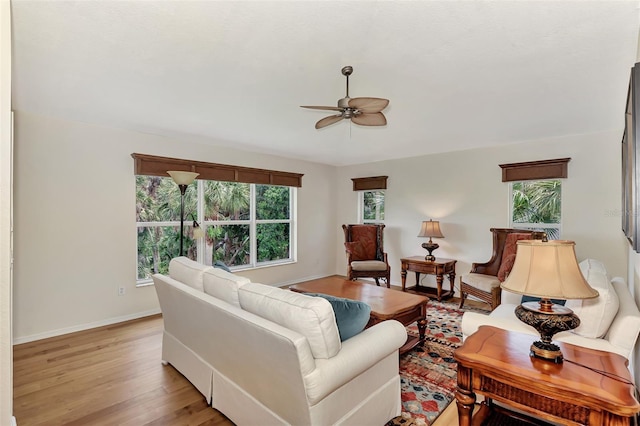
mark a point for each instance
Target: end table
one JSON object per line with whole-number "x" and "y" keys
{"x": 438, "y": 267}
{"x": 496, "y": 363}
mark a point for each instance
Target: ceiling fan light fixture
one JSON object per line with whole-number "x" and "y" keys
{"x": 364, "y": 111}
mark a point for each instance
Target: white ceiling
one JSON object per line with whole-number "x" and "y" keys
{"x": 458, "y": 74}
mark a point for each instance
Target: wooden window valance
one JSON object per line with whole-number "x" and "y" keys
{"x": 152, "y": 165}
{"x": 369, "y": 183}
{"x": 533, "y": 170}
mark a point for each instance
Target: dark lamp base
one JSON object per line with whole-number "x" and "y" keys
{"x": 548, "y": 319}
{"x": 430, "y": 247}
{"x": 546, "y": 351}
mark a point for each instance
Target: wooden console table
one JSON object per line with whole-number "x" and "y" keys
{"x": 438, "y": 267}
{"x": 496, "y": 363}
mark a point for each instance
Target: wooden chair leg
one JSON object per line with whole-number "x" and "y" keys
{"x": 463, "y": 296}
{"x": 496, "y": 298}
{"x": 377, "y": 281}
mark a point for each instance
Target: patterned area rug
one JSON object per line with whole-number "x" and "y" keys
{"x": 428, "y": 375}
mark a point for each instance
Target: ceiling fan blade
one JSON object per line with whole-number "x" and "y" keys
{"x": 328, "y": 121}
{"x": 375, "y": 119}
{"x": 328, "y": 108}
{"x": 368, "y": 105}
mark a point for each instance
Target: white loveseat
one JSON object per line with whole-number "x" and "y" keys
{"x": 610, "y": 322}
{"x": 264, "y": 355}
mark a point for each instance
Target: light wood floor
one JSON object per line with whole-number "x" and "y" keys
{"x": 112, "y": 375}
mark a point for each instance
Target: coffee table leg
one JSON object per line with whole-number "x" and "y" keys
{"x": 422, "y": 327}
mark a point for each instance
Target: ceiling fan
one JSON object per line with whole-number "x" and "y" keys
{"x": 363, "y": 111}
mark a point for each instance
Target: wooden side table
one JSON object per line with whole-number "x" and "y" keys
{"x": 438, "y": 267}
{"x": 496, "y": 364}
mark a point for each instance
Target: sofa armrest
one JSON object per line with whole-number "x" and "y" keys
{"x": 501, "y": 317}
{"x": 623, "y": 331}
{"x": 358, "y": 354}
{"x": 510, "y": 298}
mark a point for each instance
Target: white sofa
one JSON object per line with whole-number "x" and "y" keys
{"x": 264, "y": 355}
{"x": 610, "y": 322}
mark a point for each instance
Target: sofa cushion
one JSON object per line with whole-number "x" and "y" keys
{"x": 312, "y": 317}
{"x": 506, "y": 266}
{"x": 188, "y": 271}
{"x": 509, "y": 253}
{"x": 597, "y": 314}
{"x": 223, "y": 285}
{"x": 221, "y": 265}
{"x": 356, "y": 250}
{"x": 352, "y": 316}
{"x": 367, "y": 235}
{"x": 591, "y": 264}
{"x": 481, "y": 281}
{"x": 368, "y": 265}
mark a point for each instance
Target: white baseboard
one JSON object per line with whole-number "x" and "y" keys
{"x": 81, "y": 327}
{"x": 14, "y": 422}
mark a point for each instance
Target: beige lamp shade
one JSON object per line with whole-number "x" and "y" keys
{"x": 548, "y": 269}
{"x": 182, "y": 178}
{"x": 430, "y": 228}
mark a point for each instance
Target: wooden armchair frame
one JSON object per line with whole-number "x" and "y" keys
{"x": 380, "y": 256}
{"x": 492, "y": 267}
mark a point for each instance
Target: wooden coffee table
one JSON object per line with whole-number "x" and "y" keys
{"x": 385, "y": 303}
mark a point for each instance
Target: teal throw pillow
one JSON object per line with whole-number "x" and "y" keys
{"x": 537, "y": 299}
{"x": 221, "y": 265}
{"x": 352, "y": 316}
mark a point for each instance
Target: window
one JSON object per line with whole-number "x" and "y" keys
{"x": 246, "y": 225}
{"x": 371, "y": 206}
{"x": 536, "y": 204}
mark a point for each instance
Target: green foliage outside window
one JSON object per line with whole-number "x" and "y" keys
{"x": 226, "y": 221}
{"x": 373, "y": 206}
{"x": 538, "y": 202}
{"x": 272, "y": 203}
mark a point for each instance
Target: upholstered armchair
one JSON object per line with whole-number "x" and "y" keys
{"x": 484, "y": 279}
{"x": 365, "y": 252}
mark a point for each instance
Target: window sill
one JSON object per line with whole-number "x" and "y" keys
{"x": 149, "y": 282}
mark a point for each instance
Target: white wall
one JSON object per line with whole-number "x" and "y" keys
{"x": 465, "y": 192}
{"x": 6, "y": 350}
{"x": 75, "y": 213}
{"x": 75, "y": 238}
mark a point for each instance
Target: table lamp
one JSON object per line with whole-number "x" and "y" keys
{"x": 548, "y": 270}
{"x": 430, "y": 228}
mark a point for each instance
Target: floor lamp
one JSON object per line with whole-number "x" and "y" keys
{"x": 183, "y": 179}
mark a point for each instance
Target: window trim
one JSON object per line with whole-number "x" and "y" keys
{"x": 153, "y": 165}
{"x": 535, "y": 170}
{"x": 369, "y": 183}
{"x": 252, "y": 222}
